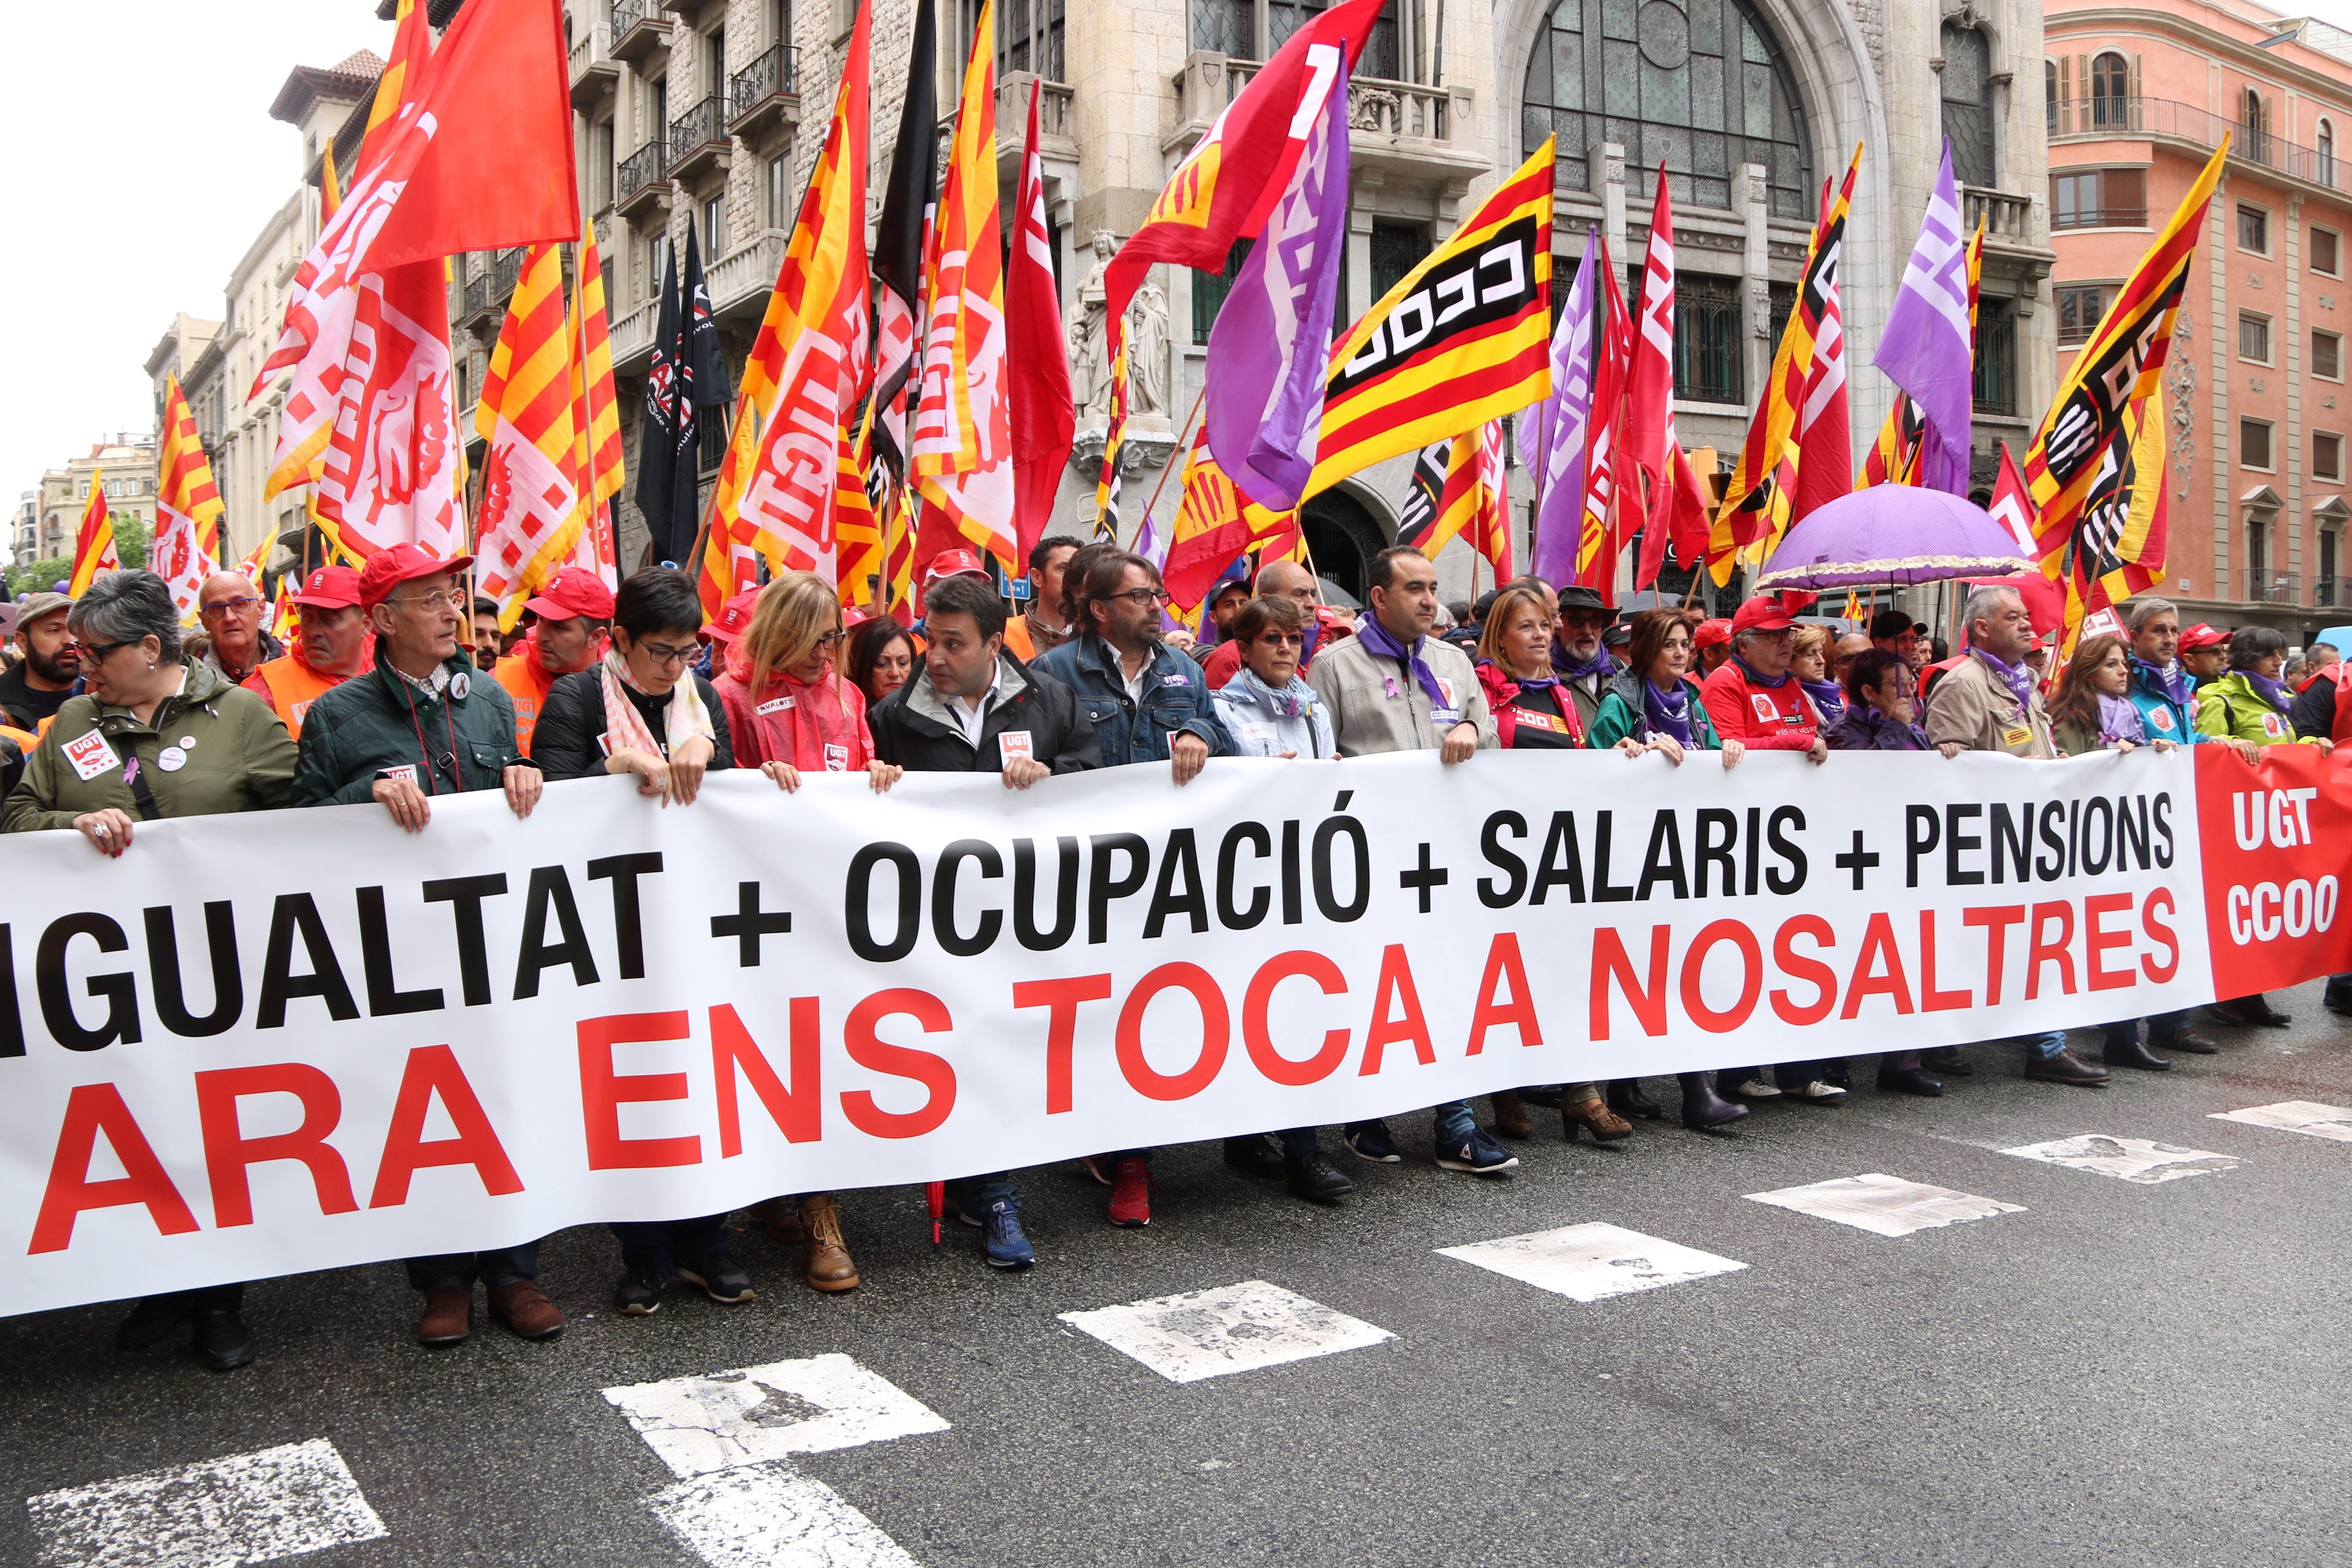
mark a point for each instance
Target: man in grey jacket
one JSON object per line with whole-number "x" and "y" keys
{"x": 1394, "y": 687}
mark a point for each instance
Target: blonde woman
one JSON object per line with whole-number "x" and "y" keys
{"x": 1816, "y": 644}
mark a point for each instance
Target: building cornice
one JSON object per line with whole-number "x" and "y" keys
{"x": 2121, "y": 21}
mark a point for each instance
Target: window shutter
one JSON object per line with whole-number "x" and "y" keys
{"x": 2065, "y": 94}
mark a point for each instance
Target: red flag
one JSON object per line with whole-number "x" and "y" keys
{"x": 1045, "y": 420}
{"x": 1681, "y": 519}
{"x": 1650, "y": 387}
{"x": 1824, "y": 451}
{"x": 1596, "y": 550}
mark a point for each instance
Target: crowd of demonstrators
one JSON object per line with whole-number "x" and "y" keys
{"x": 377, "y": 699}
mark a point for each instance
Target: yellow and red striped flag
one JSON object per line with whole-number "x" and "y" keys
{"x": 595, "y": 417}
{"x": 188, "y": 507}
{"x": 531, "y": 516}
{"x": 94, "y": 544}
{"x": 1214, "y": 523}
{"x": 857, "y": 535}
{"x": 331, "y": 193}
{"x": 1476, "y": 501}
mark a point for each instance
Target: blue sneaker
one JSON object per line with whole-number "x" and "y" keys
{"x": 1000, "y": 1237}
{"x": 1477, "y": 1154}
{"x": 1371, "y": 1141}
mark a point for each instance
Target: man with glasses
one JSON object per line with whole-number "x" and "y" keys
{"x": 1582, "y": 664}
{"x": 574, "y": 610}
{"x": 232, "y": 609}
{"x": 1147, "y": 704}
{"x": 1276, "y": 580}
{"x": 419, "y": 725}
{"x": 330, "y": 647}
{"x": 1753, "y": 697}
{"x": 36, "y": 686}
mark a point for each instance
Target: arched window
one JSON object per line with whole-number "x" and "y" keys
{"x": 2255, "y": 123}
{"x": 2049, "y": 97}
{"x": 1699, "y": 84}
{"x": 2110, "y": 90}
{"x": 2324, "y": 145}
{"x": 1967, "y": 103}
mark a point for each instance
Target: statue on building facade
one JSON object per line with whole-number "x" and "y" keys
{"x": 1147, "y": 354}
{"x": 1090, "y": 338}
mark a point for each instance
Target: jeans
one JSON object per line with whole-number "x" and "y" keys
{"x": 2044, "y": 1046}
{"x": 1455, "y": 1121}
{"x": 653, "y": 1249}
{"x": 460, "y": 1269}
{"x": 973, "y": 1194}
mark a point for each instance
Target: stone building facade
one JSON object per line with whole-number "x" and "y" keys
{"x": 125, "y": 464}
{"x": 2136, "y": 100}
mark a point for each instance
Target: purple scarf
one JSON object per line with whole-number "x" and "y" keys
{"x": 1567, "y": 668}
{"x": 1382, "y": 642}
{"x": 1773, "y": 682}
{"x": 1829, "y": 699}
{"x": 2272, "y": 692}
{"x": 2169, "y": 678}
{"x": 2016, "y": 677}
{"x": 1669, "y": 711}
{"x": 2119, "y": 721}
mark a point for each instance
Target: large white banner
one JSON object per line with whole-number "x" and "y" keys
{"x": 288, "y": 1041}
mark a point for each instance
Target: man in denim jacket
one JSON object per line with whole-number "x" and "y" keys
{"x": 1148, "y": 704}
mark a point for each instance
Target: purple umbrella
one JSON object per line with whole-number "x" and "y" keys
{"x": 1891, "y": 535}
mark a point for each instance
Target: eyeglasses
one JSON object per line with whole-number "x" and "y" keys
{"x": 663, "y": 653}
{"x": 831, "y": 639}
{"x": 1283, "y": 639}
{"x": 1144, "y": 596}
{"x": 219, "y": 607}
{"x": 454, "y": 598}
{"x": 92, "y": 655}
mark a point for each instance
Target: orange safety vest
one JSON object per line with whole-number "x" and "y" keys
{"x": 521, "y": 673}
{"x": 293, "y": 687}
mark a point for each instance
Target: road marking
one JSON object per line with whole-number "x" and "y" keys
{"x": 242, "y": 1507}
{"x": 2303, "y": 1116}
{"x": 2126, "y": 1159}
{"x": 1592, "y": 1262}
{"x": 698, "y": 1424}
{"x": 1883, "y": 1205}
{"x": 770, "y": 1516}
{"x": 1234, "y": 1328}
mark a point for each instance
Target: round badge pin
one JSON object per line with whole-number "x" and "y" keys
{"x": 171, "y": 759}
{"x": 187, "y": 742}
{"x": 460, "y": 684}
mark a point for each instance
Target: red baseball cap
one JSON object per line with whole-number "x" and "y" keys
{"x": 1762, "y": 614}
{"x": 2202, "y": 635}
{"x": 388, "y": 569}
{"x": 572, "y": 592}
{"x": 953, "y": 563}
{"x": 329, "y": 588}
{"x": 734, "y": 617}
{"x": 1712, "y": 632}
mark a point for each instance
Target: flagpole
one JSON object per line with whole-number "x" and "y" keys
{"x": 1184, "y": 444}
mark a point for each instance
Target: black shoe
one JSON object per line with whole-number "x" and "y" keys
{"x": 1371, "y": 1141}
{"x": 1947, "y": 1060}
{"x": 1838, "y": 1074}
{"x": 1907, "y": 1080}
{"x": 2338, "y": 1001}
{"x": 1626, "y": 1099}
{"x": 1256, "y": 1156}
{"x": 2064, "y": 1066}
{"x": 222, "y": 1339}
{"x": 637, "y": 1295}
{"x": 153, "y": 1318}
{"x": 1311, "y": 1176}
{"x": 1704, "y": 1110}
{"x": 2129, "y": 1053}
{"x": 721, "y": 1278}
{"x": 2189, "y": 1040}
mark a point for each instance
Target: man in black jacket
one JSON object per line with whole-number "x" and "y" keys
{"x": 973, "y": 708}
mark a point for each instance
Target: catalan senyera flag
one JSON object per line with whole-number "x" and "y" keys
{"x": 2119, "y": 543}
{"x": 1463, "y": 338}
{"x": 962, "y": 431}
{"x": 1756, "y": 504}
{"x": 94, "y": 541}
{"x": 2119, "y": 366}
{"x": 529, "y": 518}
{"x": 188, "y": 507}
{"x": 856, "y": 532}
{"x": 595, "y": 413}
{"x": 817, "y": 347}
{"x": 1477, "y": 501}
{"x": 1214, "y": 523}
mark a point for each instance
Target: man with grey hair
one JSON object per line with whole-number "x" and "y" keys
{"x": 1988, "y": 701}
{"x": 231, "y": 609}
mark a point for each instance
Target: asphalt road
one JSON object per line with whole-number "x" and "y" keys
{"x": 2118, "y": 1372}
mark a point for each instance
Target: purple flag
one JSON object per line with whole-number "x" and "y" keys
{"x": 1925, "y": 348}
{"x": 1273, "y": 336}
{"x": 1561, "y": 422}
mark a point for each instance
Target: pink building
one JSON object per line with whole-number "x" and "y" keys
{"x": 2139, "y": 96}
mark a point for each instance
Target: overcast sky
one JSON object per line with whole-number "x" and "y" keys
{"x": 144, "y": 161}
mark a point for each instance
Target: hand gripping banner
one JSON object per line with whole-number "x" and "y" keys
{"x": 259, "y": 1045}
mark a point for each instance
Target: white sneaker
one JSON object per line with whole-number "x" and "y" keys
{"x": 1756, "y": 1088}
{"x": 1818, "y": 1090}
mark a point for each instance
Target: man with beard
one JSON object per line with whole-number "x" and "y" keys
{"x": 1582, "y": 664}
{"x": 37, "y": 685}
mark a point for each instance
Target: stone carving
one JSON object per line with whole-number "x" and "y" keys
{"x": 1090, "y": 338}
{"x": 2180, "y": 393}
{"x": 1374, "y": 109}
{"x": 1147, "y": 355}
{"x": 1759, "y": 309}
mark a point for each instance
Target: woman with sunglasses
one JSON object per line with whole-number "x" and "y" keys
{"x": 150, "y": 737}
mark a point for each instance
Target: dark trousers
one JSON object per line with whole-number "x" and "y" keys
{"x": 1297, "y": 1142}
{"x": 655, "y": 1248}
{"x": 973, "y": 1195}
{"x": 2339, "y": 992}
{"x": 460, "y": 1269}
{"x": 2162, "y": 1028}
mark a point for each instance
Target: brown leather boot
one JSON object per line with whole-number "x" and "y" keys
{"x": 1511, "y": 1115}
{"x": 823, "y": 1254}
{"x": 448, "y": 1315}
{"x": 525, "y": 1309}
{"x": 1594, "y": 1116}
{"x": 780, "y": 1219}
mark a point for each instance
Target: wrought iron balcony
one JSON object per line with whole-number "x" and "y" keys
{"x": 506, "y": 269}
{"x": 765, "y": 92}
{"x": 697, "y": 139}
{"x": 2274, "y": 588}
{"x": 2331, "y": 594}
{"x": 638, "y": 29}
{"x": 2117, "y": 115}
{"x": 593, "y": 69}
{"x": 478, "y": 296}
{"x": 640, "y": 185}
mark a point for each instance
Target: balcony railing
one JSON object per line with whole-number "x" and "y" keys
{"x": 506, "y": 267}
{"x": 2331, "y": 594}
{"x": 637, "y": 26}
{"x": 1402, "y": 123}
{"x": 2005, "y": 217}
{"x": 593, "y": 70}
{"x": 2274, "y": 588}
{"x": 640, "y": 170}
{"x": 693, "y": 134}
{"x": 632, "y": 338}
{"x": 2121, "y": 116}
{"x": 769, "y": 75}
{"x": 478, "y": 296}
{"x": 2100, "y": 217}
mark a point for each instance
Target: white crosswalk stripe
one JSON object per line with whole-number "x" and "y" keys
{"x": 2126, "y": 1159}
{"x": 240, "y": 1508}
{"x": 1883, "y": 1205}
{"x": 2307, "y": 1117}
{"x": 770, "y": 1516}
{"x": 1234, "y": 1328}
{"x": 1592, "y": 1262}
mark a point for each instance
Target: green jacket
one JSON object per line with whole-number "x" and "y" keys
{"x": 1620, "y": 715}
{"x": 2231, "y": 709}
{"x": 228, "y": 753}
{"x": 376, "y": 722}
